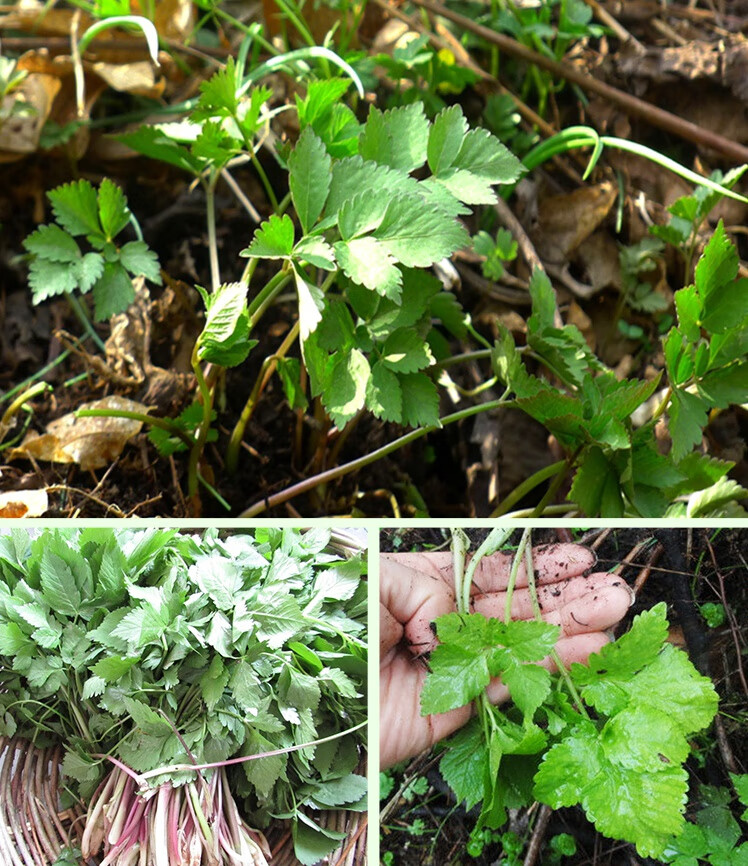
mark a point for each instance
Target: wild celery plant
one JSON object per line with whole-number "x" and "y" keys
{"x": 365, "y": 230}
{"x": 617, "y": 468}
{"x": 611, "y": 735}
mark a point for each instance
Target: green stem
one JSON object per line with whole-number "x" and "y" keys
{"x": 495, "y": 539}
{"x": 516, "y": 562}
{"x": 521, "y": 490}
{"x": 82, "y": 315}
{"x": 553, "y": 487}
{"x": 201, "y": 436}
{"x": 465, "y": 356}
{"x": 366, "y": 460}
{"x": 265, "y": 296}
{"x": 460, "y": 545}
{"x": 554, "y": 652}
{"x": 268, "y": 366}
{"x": 162, "y": 423}
{"x": 210, "y": 212}
{"x": 265, "y": 181}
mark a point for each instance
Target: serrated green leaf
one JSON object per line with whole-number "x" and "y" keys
{"x": 345, "y": 390}
{"x": 272, "y": 240}
{"x": 58, "y": 584}
{"x": 113, "y": 667}
{"x": 215, "y": 145}
{"x": 726, "y": 386}
{"x": 420, "y": 400}
{"x": 726, "y": 310}
{"x": 360, "y": 214}
{"x": 93, "y": 687}
{"x": 417, "y": 236}
{"x": 405, "y": 352}
{"x": 138, "y": 259}
{"x": 224, "y": 309}
{"x": 396, "y": 138}
{"x": 114, "y": 214}
{"x": 51, "y": 243}
{"x": 465, "y": 764}
{"x": 75, "y": 208}
{"x": 483, "y": 161}
{"x": 689, "y": 307}
{"x": 47, "y": 279}
{"x": 383, "y": 394}
{"x": 12, "y": 639}
{"x": 720, "y": 500}
{"x": 156, "y": 144}
{"x": 213, "y": 682}
{"x": 367, "y": 262}
{"x": 352, "y": 176}
{"x": 113, "y": 292}
{"x": 717, "y": 266}
{"x": 311, "y": 843}
{"x": 688, "y": 417}
{"x": 218, "y": 94}
{"x": 445, "y": 139}
{"x": 340, "y": 792}
{"x": 262, "y": 773}
{"x": 316, "y": 251}
{"x": 596, "y": 485}
{"x": 309, "y": 177}
{"x": 88, "y": 271}
{"x": 529, "y": 686}
{"x": 642, "y": 807}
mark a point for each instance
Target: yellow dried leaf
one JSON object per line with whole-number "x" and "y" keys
{"x": 90, "y": 442}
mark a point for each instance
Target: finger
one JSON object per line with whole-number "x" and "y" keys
{"x": 390, "y": 630}
{"x": 404, "y": 732}
{"x": 590, "y": 603}
{"x": 413, "y": 599}
{"x": 551, "y": 563}
{"x": 569, "y": 649}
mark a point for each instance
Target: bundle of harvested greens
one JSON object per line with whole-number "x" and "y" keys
{"x": 165, "y": 662}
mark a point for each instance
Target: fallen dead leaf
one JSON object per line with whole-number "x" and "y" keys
{"x": 564, "y": 221}
{"x": 90, "y": 442}
{"x": 23, "y": 503}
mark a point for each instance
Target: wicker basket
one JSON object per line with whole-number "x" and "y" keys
{"x": 33, "y": 828}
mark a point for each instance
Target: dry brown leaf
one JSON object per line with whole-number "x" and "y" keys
{"x": 23, "y": 503}
{"x": 19, "y": 134}
{"x": 564, "y": 221}
{"x": 175, "y": 19}
{"x": 90, "y": 442}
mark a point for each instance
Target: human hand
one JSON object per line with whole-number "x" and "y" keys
{"x": 415, "y": 588}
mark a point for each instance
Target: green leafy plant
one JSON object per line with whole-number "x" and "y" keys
{"x": 637, "y": 259}
{"x": 618, "y": 468}
{"x": 715, "y": 836}
{"x": 611, "y": 735}
{"x": 689, "y": 212}
{"x": 497, "y": 251}
{"x": 60, "y": 265}
{"x": 162, "y": 662}
{"x": 11, "y": 79}
{"x": 713, "y": 613}
{"x": 422, "y": 73}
